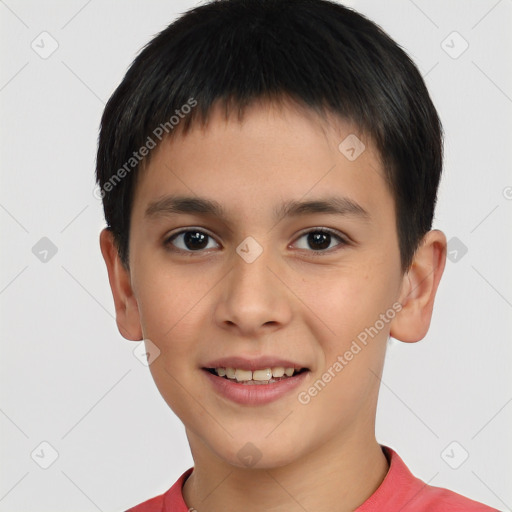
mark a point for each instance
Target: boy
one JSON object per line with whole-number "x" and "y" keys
{"x": 269, "y": 172}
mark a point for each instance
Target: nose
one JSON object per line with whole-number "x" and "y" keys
{"x": 252, "y": 300}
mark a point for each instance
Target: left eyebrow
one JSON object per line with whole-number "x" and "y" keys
{"x": 334, "y": 205}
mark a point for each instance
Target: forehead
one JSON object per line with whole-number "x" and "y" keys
{"x": 274, "y": 153}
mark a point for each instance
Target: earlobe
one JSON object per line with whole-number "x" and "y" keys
{"x": 419, "y": 289}
{"x": 127, "y": 311}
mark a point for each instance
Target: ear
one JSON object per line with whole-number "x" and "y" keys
{"x": 419, "y": 287}
{"x": 127, "y": 311}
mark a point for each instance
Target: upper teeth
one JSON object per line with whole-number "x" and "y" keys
{"x": 261, "y": 375}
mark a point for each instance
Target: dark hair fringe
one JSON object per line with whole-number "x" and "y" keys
{"x": 319, "y": 53}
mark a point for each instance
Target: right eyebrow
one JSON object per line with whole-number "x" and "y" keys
{"x": 169, "y": 205}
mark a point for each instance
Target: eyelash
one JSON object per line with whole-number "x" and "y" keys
{"x": 342, "y": 241}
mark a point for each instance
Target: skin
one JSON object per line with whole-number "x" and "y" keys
{"x": 292, "y": 301}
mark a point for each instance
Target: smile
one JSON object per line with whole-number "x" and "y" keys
{"x": 255, "y": 387}
{"x": 256, "y": 377}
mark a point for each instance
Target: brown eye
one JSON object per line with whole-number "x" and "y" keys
{"x": 191, "y": 240}
{"x": 319, "y": 240}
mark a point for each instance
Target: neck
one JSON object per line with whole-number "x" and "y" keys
{"x": 337, "y": 476}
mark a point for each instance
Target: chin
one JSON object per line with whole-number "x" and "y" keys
{"x": 259, "y": 453}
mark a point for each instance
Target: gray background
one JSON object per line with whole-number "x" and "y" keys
{"x": 67, "y": 376}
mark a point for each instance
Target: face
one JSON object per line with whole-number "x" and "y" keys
{"x": 258, "y": 245}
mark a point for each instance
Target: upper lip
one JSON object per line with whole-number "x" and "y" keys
{"x": 252, "y": 364}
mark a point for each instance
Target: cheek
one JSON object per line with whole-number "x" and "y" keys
{"x": 346, "y": 297}
{"x": 351, "y": 305}
{"x": 169, "y": 305}
{"x": 167, "y": 301}
{"x": 347, "y": 305}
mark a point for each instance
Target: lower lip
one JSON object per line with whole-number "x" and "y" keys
{"x": 257, "y": 394}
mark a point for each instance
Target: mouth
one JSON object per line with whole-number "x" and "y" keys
{"x": 258, "y": 377}
{"x": 255, "y": 381}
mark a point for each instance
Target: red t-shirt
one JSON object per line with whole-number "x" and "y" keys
{"x": 400, "y": 490}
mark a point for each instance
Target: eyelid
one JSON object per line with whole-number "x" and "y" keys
{"x": 323, "y": 229}
{"x": 178, "y": 231}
